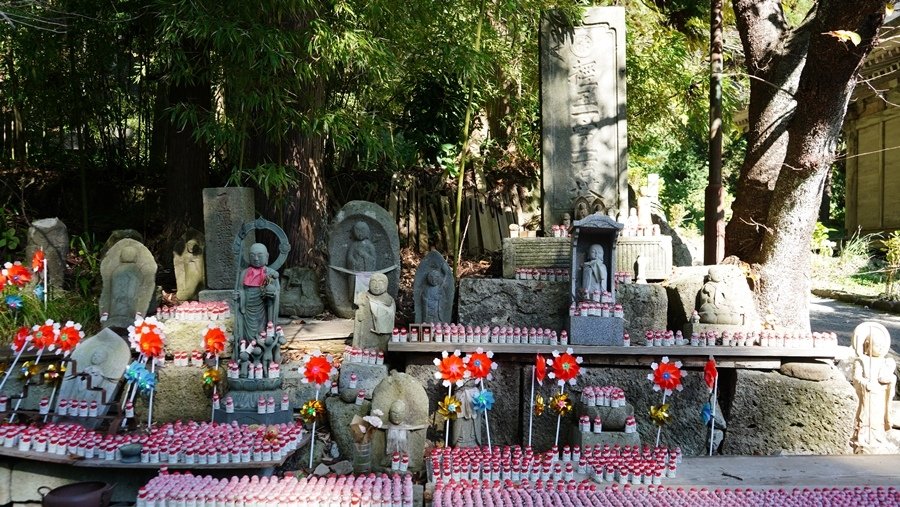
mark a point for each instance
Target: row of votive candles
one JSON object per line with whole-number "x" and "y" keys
{"x": 254, "y": 371}
{"x": 594, "y": 309}
{"x": 559, "y": 231}
{"x": 517, "y": 465}
{"x": 195, "y": 358}
{"x": 660, "y": 338}
{"x": 363, "y": 356}
{"x": 543, "y": 274}
{"x": 585, "y": 493}
{"x": 195, "y": 310}
{"x": 596, "y": 296}
{"x": 264, "y": 405}
{"x": 634, "y": 230}
{"x": 177, "y": 490}
{"x": 458, "y": 333}
{"x": 201, "y": 443}
{"x": 603, "y": 396}
{"x": 585, "y": 424}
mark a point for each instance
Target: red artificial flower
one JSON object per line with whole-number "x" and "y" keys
{"x": 214, "y": 341}
{"x": 150, "y": 344}
{"x": 44, "y": 336}
{"x": 17, "y": 274}
{"x": 451, "y": 368}
{"x": 710, "y": 373}
{"x": 480, "y": 364}
{"x": 318, "y": 369}
{"x": 540, "y": 368}
{"x": 37, "y": 260}
{"x": 565, "y": 366}
{"x": 3, "y": 279}
{"x": 69, "y": 336}
{"x": 21, "y": 338}
{"x": 666, "y": 376}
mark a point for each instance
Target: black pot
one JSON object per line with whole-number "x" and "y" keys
{"x": 79, "y": 494}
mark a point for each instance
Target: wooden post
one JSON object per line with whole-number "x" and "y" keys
{"x": 714, "y": 223}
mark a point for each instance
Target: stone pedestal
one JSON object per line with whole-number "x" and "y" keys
{"x": 613, "y": 417}
{"x": 535, "y": 253}
{"x": 225, "y": 210}
{"x": 596, "y": 330}
{"x": 187, "y": 335}
{"x": 368, "y": 377}
{"x": 179, "y": 396}
{"x": 656, "y": 251}
{"x": 607, "y": 437}
{"x": 613, "y": 426}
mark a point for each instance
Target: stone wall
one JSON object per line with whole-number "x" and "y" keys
{"x": 533, "y": 303}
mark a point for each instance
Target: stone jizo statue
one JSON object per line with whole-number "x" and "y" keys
{"x": 593, "y": 272}
{"x": 875, "y": 381}
{"x": 361, "y": 254}
{"x": 581, "y": 210}
{"x": 129, "y": 282}
{"x": 256, "y": 297}
{"x": 404, "y": 401}
{"x": 102, "y": 360}
{"x": 433, "y": 289}
{"x": 716, "y": 303}
{"x": 189, "y": 266}
{"x": 374, "y": 315}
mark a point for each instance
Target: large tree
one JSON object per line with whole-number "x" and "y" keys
{"x": 801, "y": 80}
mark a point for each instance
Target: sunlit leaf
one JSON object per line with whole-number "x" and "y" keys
{"x": 846, "y": 35}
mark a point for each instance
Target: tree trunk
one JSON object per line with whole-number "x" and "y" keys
{"x": 187, "y": 154}
{"x": 775, "y": 56}
{"x": 822, "y": 94}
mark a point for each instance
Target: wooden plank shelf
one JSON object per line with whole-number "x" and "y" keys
{"x": 726, "y": 357}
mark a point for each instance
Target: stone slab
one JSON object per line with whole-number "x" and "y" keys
{"x": 368, "y": 376}
{"x": 786, "y": 472}
{"x": 5, "y": 483}
{"x": 656, "y": 252}
{"x": 383, "y": 242}
{"x": 606, "y": 437}
{"x": 596, "y": 330}
{"x": 535, "y": 253}
{"x": 772, "y": 413}
{"x": 816, "y": 372}
{"x": 313, "y": 330}
{"x": 583, "y": 112}
{"x": 503, "y": 302}
{"x": 225, "y": 210}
